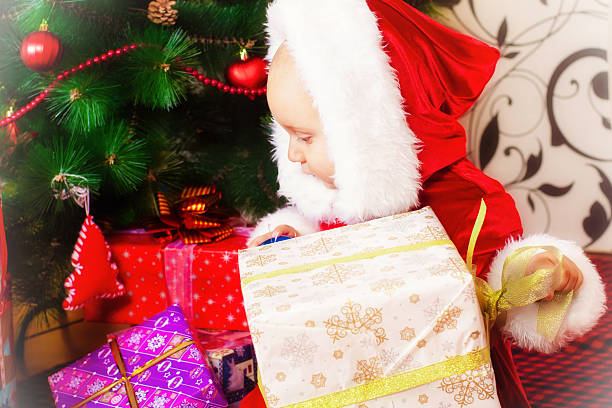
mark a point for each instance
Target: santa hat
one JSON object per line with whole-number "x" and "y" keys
{"x": 389, "y": 84}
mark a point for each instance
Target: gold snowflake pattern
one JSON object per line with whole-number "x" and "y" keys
{"x": 280, "y": 376}
{"x": 310, "y": 323}
{"x": 283, "y": 308}
{"x": 318, "y": 380}
{"x": 271, "y": 399}
{"x": 368, "y": 370}
{"x": 407, "y": 333}
{"x": 255, "y": 334}
{"x": 387, "y": 286}
{"x": 260, "y": 260}
{"x": 475, "y": 334}
{"x": 447, "y": 320}
{"x": 453, "y": 267}
{"x": 357, "y": 227}
{"x": 421, "y": 343}
{"x": 463, "y": 386}
{"x": 270, "y": 291}
{"x": 323, "y": 245}
{"x": 355, "y": 323}
{"x": 254, "y": 310}
{"x": 423, "y": 398}
{"x": 414, "y": 298}
{"x": 437, "y": 232}
{"x": 339, "y": 273}
{"x": 338, "y": 354}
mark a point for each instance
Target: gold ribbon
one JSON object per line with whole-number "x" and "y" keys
{"x": 518, "y": 289}
{"x": 126, "y": 379}
{"x": 398, "y": 382}
{"x": 351, "y": 258}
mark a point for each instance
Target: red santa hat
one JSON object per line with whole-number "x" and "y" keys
{"x": 389, "y": 84}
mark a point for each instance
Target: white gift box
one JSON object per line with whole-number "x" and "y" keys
{"x": 378, "y": 315}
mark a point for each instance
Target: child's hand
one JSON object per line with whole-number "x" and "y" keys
{"x": 281, "y": 230}
{"x": 568, "y": 276}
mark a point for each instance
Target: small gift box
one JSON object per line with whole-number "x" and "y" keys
{"x": 232, "y": 358}
{"x": 156, "y": 364}
{"x": 374, "y": 315}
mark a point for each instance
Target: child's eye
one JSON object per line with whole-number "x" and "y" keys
{"x": 305, "y": 139}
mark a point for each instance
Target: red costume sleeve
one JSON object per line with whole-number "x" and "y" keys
{"x": 454, "y": 193}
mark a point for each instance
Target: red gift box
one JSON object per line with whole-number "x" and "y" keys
{"x": 205, "y": 281}
{"x": 140, "y": 259}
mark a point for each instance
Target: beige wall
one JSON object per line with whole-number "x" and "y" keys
{"x": 542, "y": 127}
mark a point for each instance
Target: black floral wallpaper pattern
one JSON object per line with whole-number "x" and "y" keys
{"x": 542, "y": 126}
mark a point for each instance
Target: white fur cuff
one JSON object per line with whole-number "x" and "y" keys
{"x": 587, "y": 306}
{"x": 289, "y": 216}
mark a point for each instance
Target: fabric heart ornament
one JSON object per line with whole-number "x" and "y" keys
{"x": 249, "y": 73}
{"x": 95, "y": 274}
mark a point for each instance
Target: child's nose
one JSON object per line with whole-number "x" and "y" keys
{"x": 295, "y": 154}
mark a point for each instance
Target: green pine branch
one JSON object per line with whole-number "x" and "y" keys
{"x": 157, "y": 69}
{"x": 84, "y": 101}
{"x": 124, "y": 159}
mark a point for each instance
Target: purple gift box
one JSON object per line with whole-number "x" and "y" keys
{"x": 181, "y": 380}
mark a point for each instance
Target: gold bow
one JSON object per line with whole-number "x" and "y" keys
{"x": 520, "y": 290}
{"x": 195, "y": 216}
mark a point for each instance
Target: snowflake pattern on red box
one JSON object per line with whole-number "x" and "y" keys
{"x": 205, "y": 281}
{"x": 139, "y": 257}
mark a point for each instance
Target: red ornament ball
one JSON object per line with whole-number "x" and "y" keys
{"x": 41, "y": 51}
{"x": 251, "y": 73}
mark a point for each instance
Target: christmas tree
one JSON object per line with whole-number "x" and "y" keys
{"x": 110, "y": 102}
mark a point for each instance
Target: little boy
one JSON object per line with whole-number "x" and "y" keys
{"x": 366, "y": 97}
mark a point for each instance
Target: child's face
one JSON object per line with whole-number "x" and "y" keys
{"x": 293, "y": 109}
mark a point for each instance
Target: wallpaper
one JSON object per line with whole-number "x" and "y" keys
{"x": 542, "y": 126}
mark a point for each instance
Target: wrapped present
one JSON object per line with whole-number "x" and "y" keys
{"x": 139, "y": 258}
{"x": 205, "y": 281}
{"x": 157, "y": 364}
{"x": 232, "y": 357}
{"x": 378, "y": 314}
{"x": 7, "y": 362}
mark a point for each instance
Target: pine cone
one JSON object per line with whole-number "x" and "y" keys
{"x": 161, "y": 12}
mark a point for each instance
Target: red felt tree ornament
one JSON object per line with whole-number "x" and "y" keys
{"x": 41, "y": 50}
{"x": 95, "y": 275}
{"x": 249, "y": 72}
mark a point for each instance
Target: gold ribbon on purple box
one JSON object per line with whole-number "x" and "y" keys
{"x": 125, "y": 378}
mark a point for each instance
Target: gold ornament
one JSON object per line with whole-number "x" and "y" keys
{"x": 110, "y": 160}
{"x": 75, "y": 94}
{"x": 161, "y": 12}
